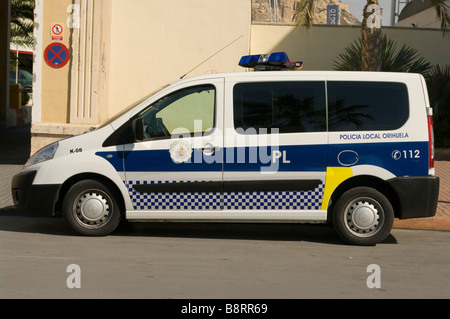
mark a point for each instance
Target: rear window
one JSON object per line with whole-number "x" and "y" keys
{"x": 366, "y": 106}
{"x": 290, "y": 107}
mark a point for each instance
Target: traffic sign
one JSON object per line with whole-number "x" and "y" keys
{"x": 56, "y": 55}
{"x": 57, "y": 32}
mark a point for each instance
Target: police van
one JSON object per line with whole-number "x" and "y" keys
{"x": 354, "y": 149}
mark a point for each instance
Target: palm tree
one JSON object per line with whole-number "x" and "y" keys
{"x": 22, "y": 15}
{"x": 406, "y": 59}
{"x": 371, "y": 38}
{"x": 438, "y": 83}
{"x": 443, "y": 13}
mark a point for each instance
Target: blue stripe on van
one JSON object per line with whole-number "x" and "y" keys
{"x": 157, "y": 161}
{"x": 250, "y": 159}
{"x": 400, "y": 158}
{"x": 294, "y": 158}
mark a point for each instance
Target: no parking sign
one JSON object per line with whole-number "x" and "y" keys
{"x": 56, "y": 55}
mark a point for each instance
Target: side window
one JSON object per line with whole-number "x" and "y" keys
{"x": 367, "y": 106}
{"x": 187, "y": 111}
{"x": 290, "y": 107}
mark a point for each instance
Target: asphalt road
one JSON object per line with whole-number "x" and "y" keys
{"x": 41, "y": 258}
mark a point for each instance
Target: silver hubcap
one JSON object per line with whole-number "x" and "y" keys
{"x": 92, "y": 209}
{"x": 364, "y": 217}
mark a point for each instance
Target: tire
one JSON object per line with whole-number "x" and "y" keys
{"x": 363, "y": 216}
{"x": 89, "y": 208}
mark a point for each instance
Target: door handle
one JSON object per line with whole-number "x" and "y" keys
{"x": 209, "y": 149}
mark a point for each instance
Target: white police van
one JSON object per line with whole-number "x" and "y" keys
{"x": 351, "y": 148}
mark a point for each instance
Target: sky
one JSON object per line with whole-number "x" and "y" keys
{"x": 356, "y": 8}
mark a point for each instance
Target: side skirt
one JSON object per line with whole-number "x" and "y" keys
{"x": 297, "y": 216}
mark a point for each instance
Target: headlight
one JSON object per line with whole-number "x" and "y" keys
{"x": 43, "y": 154}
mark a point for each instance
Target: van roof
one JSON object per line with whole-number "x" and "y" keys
{"x": 349, "y": 75}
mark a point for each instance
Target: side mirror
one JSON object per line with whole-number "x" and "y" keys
{"x": 137, "y": 129}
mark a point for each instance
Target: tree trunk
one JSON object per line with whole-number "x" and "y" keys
{"x": 371, "y": 37}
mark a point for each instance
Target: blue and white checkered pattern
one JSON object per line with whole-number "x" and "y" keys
{"x": 310, "y": 200}
{"x": 173, "y": 201}
{"x": 275, "y": 200}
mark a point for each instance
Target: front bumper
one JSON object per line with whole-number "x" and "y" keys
{"x": 36, "y": 199}
{"x": 418, "y": 196}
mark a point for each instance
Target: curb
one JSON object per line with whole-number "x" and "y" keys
{"x": 428, "y": 223}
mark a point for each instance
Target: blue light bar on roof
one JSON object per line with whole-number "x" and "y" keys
{"x": 269, "y": 62}
{"x": 278, "y": 58}
{"x": 250, "y": 61}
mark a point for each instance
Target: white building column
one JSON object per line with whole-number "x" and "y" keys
{"x": 89, "y": 65}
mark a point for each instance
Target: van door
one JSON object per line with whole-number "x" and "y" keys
{"x": 276, "y": 149}
{"x": 178, "y": 165}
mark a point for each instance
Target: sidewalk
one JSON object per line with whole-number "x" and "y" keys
{"x": 15, "y": 149}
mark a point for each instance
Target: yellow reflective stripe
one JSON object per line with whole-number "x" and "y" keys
{"x": 335, "y": 176}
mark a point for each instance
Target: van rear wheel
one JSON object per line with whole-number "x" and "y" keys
{"x": 363, "y": 216}
{"x": 89, "y": 208}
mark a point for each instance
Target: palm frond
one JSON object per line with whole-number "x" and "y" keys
{"x": 438, "y": 71}
{"x": 22, "y": 26}
{"x": 387, "y": 53}
{"x": 346, "y": 61}
{"x": 304, "y": 14}
{"x": 443, "y": 13}
{"x": 406, "y": 59}
{"x": 438, "y": 83}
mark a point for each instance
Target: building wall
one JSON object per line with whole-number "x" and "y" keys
{"x": 4, "y": 61}
{"x": 51, "y": 107}
{"x": 424, "y": 19}
{"x": 54, "y": 92}
{"x": 319, "y": 48}
{"x": 154, "y": 43}
{"x": 124, "y": 50}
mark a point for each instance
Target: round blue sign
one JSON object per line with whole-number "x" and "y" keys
{"x": 56, "y": 55}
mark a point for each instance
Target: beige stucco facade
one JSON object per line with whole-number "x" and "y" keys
{"x": 124, "y": 50}
{"x": 423, "y": 19}
{"x": 319, "y": 48}
{"x": 154, "y": 43}
{"x": 56, "y": 87}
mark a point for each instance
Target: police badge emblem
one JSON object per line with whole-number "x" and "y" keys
{"x": 180, "y": 152}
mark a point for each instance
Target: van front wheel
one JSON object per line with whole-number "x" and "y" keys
{"x": 363, "y": 216}
{"x": 89, "y": 208}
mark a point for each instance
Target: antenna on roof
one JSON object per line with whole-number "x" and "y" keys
{"x": 212, "y": 55}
